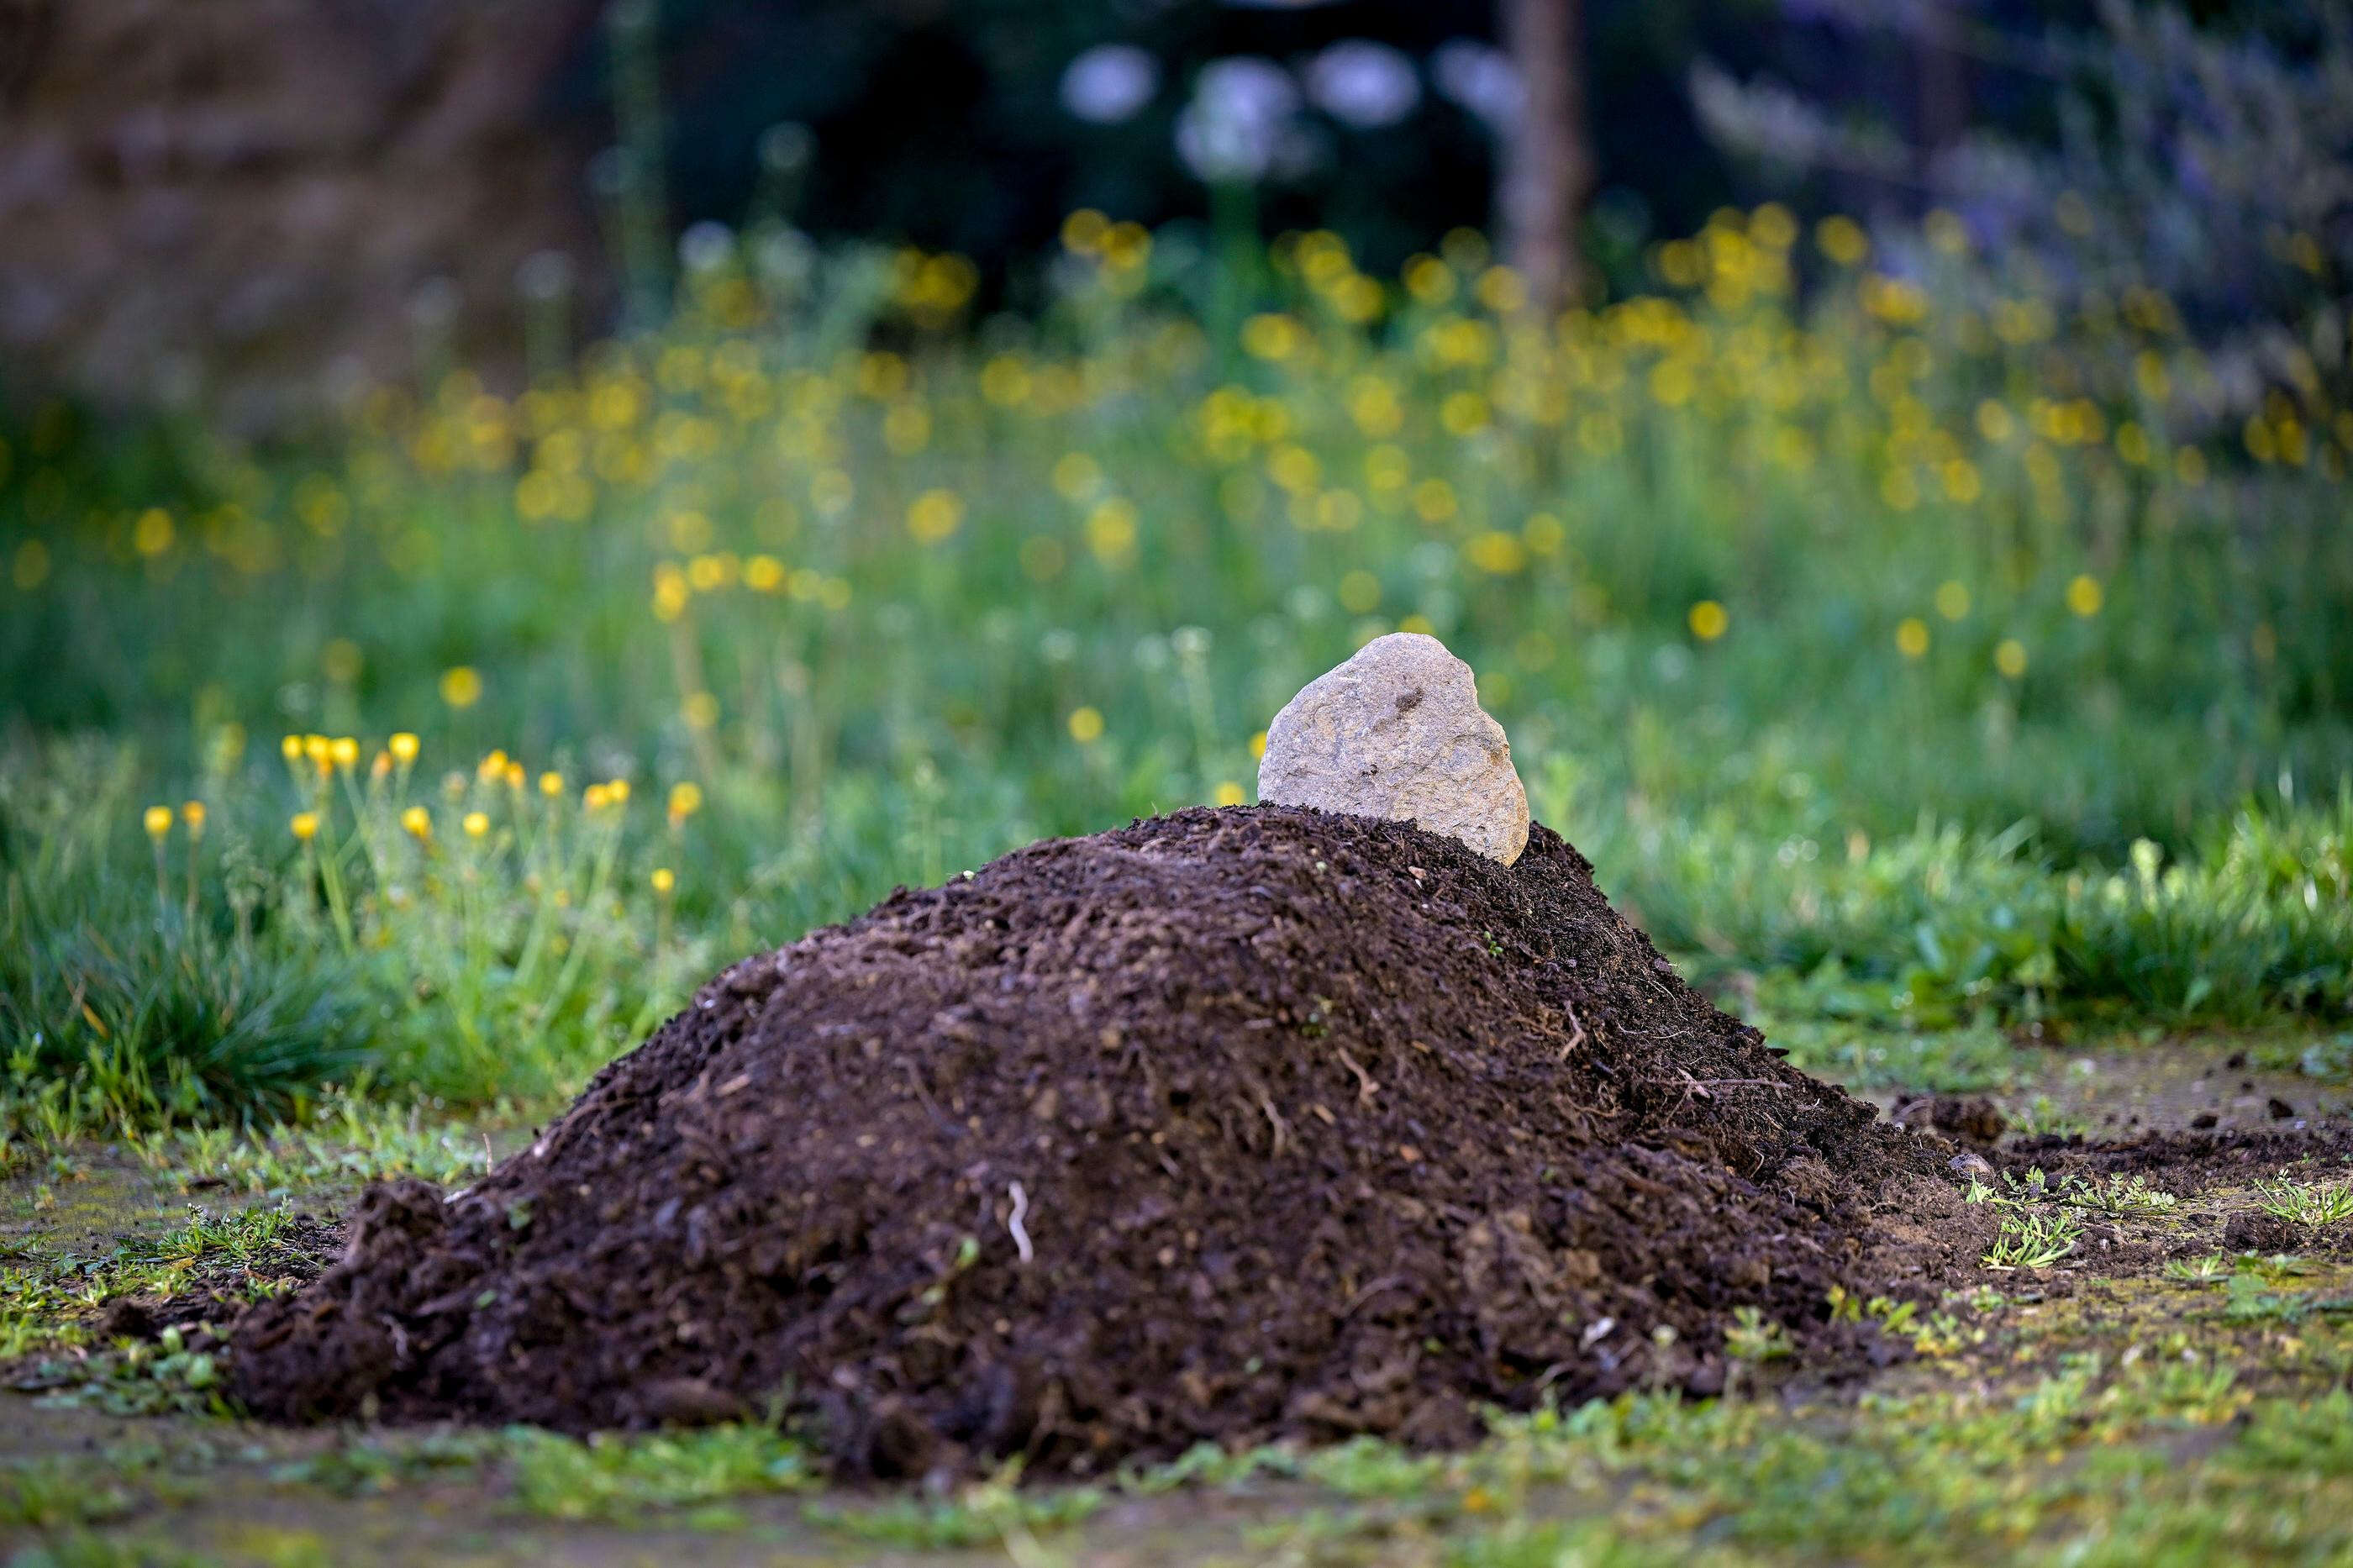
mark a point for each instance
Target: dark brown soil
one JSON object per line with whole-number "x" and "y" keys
{"x": 1230, "y": 1125}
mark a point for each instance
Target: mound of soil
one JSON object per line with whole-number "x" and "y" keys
{"x": 1232, "y": 1125}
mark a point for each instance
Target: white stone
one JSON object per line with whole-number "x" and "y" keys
{"x": 1397, "y": 732}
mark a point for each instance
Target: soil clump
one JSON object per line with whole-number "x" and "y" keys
{"x": 1231, "y": 1125}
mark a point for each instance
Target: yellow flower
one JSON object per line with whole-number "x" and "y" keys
{"x": 1272, "y": 336}
{"x": 461, "y": 686}
{"x": 158, "y": 821}
{"x": 595, "y": 797}
{"x": 2083, "y": 595}
{"x": 2009, "y": 657}
{"x": 345, "y": 750}
{"x": 476, "y": 824}
{"x": 151, "y": 535}
{"x": 1912, "y": 637}
{"x": 305, "y": 826}
{"x": 551, "y": 784}
{"x": 320, "y": 750}
{"x": 1086, "y": 725}
{"x": 618, "y": 790}
{"x": 1258, "y": 746}
{"x": 493, "y": 766}
{"x": 934, "y": 515}
{"x": 418, "y": 821}
{"x": 669, "y": 591}
{"x": 1231, "y": 794}
{"x": 1842, "y": 240}
{"x": 193, "y": 814}
{"x": 1952, "y": 600}
{"x": 291, "y": 748}
{"x": 1708, "y": 620}
{"x": 514, "y": 777}
{"x": 1496, "y": 552}
{"x": 1110, "y": 530}
{"x": 664, "y": 879}
{"x": 685, "y": 800}
{"x": 403, "y": 747}
{"x": 380, "y": 767}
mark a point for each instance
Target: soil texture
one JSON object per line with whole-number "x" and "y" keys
{"x": 1231, "y": 1125}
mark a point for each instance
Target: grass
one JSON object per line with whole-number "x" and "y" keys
{"x": 2203, "y": 1405}
{"x": 1895, "y": 671}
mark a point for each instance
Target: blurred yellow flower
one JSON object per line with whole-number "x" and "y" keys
{"x": 685, "y": 800}
{"x": 193, "y": 814}
{"x": 157, "y": 820}
{"x": 1272, "y": 336}
{"x": 151, "y": 534}
{"x": 1842, "y": 239}
{"x": 304, "y": 825}
{"x": 1258, "y": 746}
{"x": 701, "y": 710}
{"x": 418, "y": 821}
{"x": 2009, "y": 657}
{"x": 403, "y": 747}
{"x": 551, "y": 784}
{"x": 1110, "y": 530}
{"x": 1086, "y": 725}
{"x": 1952, "y": 600}
{"x": 1360, "y": 592}
{"x": 476, "y": 824}
{"x": 1912, "y": 637}
{"x": 1708, "y": 620}
{"x": 1231, "y": 794}
{"x": 345, "y": 750}
{"x": 763, "y": 573}
{"x": 595, "y": 797}
{"x": 1496, "y": 552}
{"x": 1077, "y": 476}
{"x": 461, "y": 686}
{"x": 2084, "y": 596}
{"x": 664, "y": 880}
{"x": 934, "y": 515}
{"x": 618, "y": 790}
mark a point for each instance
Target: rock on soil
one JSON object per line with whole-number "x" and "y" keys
{"x": 1232, "y": 1125}
{"x": 1397, "y": 732}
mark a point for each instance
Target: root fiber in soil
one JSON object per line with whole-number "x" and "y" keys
{"x": 1231, "y": 1125}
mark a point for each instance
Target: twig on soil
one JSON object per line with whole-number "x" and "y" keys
{"x": 1365, "y": 1087}
{"x": 1576, "y": 1038}
{"x": 1020, "y": 1209}
{"x": 1274, "y": 1116}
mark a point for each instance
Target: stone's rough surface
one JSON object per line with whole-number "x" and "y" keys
{"x": 1397, "y": 732}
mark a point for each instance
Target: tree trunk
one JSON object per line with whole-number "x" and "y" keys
{"x": 1547, "y": 164}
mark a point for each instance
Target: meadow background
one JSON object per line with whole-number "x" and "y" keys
{"x": 1934, "y": 627}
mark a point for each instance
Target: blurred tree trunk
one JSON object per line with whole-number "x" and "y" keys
{"x": 1547, "y": 163}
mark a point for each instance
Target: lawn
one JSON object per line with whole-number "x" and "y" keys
{"x": 1923, "y": 668}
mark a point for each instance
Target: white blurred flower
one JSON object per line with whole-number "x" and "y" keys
{"x": 1364, "y": 84}
{"x": 1110, "y": 83}
{"x": 706, "y": 246}
{"x": 1241, "y": 124}
{"x": 1481, "y": 78}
